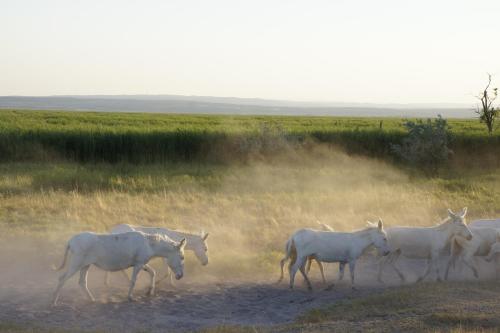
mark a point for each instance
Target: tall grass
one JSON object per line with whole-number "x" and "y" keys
{"x": 161, "y": 138}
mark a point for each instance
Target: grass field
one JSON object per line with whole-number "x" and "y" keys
{"x": 254, "y": 205}
{"x": 160, "y": 138}
{"x": 56, "y": 179}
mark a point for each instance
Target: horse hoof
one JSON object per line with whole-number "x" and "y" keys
{"x": 131, "y": 299}
{"x": 330, "y": 287}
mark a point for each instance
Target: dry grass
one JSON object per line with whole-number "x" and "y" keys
{"x": 458, "y": 307}
{"x": 249, "y": 210}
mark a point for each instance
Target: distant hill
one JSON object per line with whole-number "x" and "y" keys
{"x": 230, "y": 105}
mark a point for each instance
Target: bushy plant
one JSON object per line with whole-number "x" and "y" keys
{"x": 426, "y": 145}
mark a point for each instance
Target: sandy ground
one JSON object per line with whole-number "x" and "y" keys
{"x": 25, "y": 296}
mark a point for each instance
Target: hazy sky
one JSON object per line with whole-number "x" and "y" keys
{"x": 380, "y": 51}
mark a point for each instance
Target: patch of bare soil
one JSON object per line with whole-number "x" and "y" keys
{"x": 26, "y": 291}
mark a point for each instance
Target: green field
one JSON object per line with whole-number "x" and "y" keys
{"x": 159, "y": 138}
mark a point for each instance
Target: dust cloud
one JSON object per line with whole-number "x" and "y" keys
{"x": 250, "y": 211}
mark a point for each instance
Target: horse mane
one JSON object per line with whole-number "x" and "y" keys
{"x": 366, "y": 229}
{"x": 156, "y": 238}
{"x": 441, "y": 225}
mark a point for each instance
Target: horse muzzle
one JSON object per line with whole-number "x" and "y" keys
{"x": 469, "y": 237}
{"x": 179, "y": 276}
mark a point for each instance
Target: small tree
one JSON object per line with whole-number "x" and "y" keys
{"x": 487, "y": 112}
{"x": 426, "y": 145}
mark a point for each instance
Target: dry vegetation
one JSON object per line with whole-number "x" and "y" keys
{"x": 254, "y": 206}
{"x": 249, "y": 208}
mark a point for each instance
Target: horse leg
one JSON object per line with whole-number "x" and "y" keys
{"x": 451, "y": 262}
{"x": 391, "y": 260}
{"x": 341, "y": 271}
{"x": 74, "y": 266}
{"x": 381, "y": 264}
{"x": 430, "y": 263}
{"x": 436, "y": 269}
{"x": 282, "y": 264}
{"x": 308, "y": 264}
{"x": 106, "y": 278}
{"x": 124, "y": 273}
{"x": 340, "y": 276}
{"x": 299, "y": 262}
{"x": 320, "y": 264}
{"x": 352, "y": 266}
{"x": 136, "y": 270}
{"x": 303, "y": 271}
{"x": 469, "y": 262}
{"x": 152, "y": 274}
{"x": 394, "y": 265}
{"x": 168, "y": 274}
{"x": 83, "y": 282}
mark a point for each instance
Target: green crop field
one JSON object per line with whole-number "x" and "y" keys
{"x": 145, "y": 138}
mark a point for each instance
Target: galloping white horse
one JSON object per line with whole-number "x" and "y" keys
{"x": 195, "y": 243}
{"x": 424, "y": 243}
{"x": 465, "y": 250}
{"x": 328, "y": 246}
{"x": 118, "y": 252}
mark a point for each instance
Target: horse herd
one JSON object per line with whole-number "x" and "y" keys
{"x": 132, "y": 246}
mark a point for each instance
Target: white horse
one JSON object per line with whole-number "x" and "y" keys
{"x": 325, "y": 227}
{"x": 494, "y": 251}
{"x": 486, "y": 223}
{"x": 424, "y": 243}
{"x": 327, "y": 246}
{"x": 195, "y": 243}
{"x": 118, "y": 252}
{"x": 465, "y": 250}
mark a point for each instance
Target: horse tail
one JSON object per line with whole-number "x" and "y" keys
{"x": 285, "y": 258}
{"x": 64, "y": 260}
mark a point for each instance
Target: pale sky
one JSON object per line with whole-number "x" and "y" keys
{"x": 378, "y": 51}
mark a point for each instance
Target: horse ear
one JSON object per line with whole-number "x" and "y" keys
{"x": 380, "y": 223}
{"x": 451, "y": 214}
{"x": 205, "y": 236}
{"x": 370, "y": 224}
{"x": 464, "y": 212}
{"x": 181, "y": 244}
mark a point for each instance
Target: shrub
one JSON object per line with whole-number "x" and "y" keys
{"x": 426, "y": 145}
